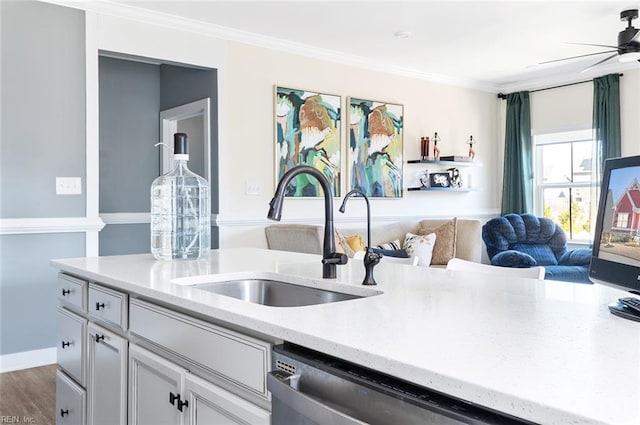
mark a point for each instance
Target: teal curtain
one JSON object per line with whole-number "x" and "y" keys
{"x": 517, "y": 185}
{"x": 606, "y": 120}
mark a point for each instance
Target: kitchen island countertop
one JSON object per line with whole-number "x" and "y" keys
{"x": 545, "y": 351}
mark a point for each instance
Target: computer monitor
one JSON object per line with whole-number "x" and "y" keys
{"x": 616, "y": 246}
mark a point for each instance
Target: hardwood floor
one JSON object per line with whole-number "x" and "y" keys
{"x": 28, "y": 396}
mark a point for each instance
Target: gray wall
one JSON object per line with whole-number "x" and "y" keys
{"x": 118, "y": 239}
{"x": 129, "y": 129}
{"x": 42, "y": 136}
{"x": 43, "y": 108}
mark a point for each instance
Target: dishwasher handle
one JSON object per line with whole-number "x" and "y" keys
{"x": 282, "y": 387}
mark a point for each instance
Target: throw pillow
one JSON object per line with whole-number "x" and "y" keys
{"x": 391, "y": 245}
{"x": 511, "y": 258}
{"x": 355, "y": 243}
{"x": 420, "y": 246}
{"x": 342, "y": 247}
{"x": 445, "y": 248}
{"x": 398, "y": 253}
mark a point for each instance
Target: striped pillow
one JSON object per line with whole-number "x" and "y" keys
{"x": 390, "y": 245}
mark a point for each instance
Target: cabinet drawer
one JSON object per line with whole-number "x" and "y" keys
{"x": 72, "y": 292}
{"x": 70, "y": 401}
{"x": 237, "y": 358}
{"x": 108, "y": 305}
{"x": 71, "y": 348}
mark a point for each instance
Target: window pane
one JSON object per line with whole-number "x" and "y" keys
{"x": 582, "y": 161}
{"x": 556, "y": 168}
{"x": 574, "y": 220}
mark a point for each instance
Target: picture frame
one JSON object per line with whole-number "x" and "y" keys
{"x": 440, "y": 179}
{"x": 307, "y": 131}
{"x": 375, "y": 135}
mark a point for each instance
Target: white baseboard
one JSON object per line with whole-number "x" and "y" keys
{"x": 27, "y": 359}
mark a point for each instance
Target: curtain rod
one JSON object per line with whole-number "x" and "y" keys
{"x": 504, "y": 96}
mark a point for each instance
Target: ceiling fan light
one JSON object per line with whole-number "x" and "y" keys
{"x": 629, "y": 57}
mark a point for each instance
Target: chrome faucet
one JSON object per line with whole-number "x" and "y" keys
{"x": 370, "y": 258}
{"x": 330, "y": 258}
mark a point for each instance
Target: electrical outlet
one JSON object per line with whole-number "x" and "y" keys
{"x": 253, "y": 188}
{"x": 68, "y": 186}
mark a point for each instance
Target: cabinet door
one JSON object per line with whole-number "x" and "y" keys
{"x": 210, "y": 404}
{"x": 70, "y": 401}
{"x": 107, "y": 377}
{"x": 71, "y": 348}
{"x": 155, "y": 386}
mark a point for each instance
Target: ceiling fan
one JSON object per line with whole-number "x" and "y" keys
{"x": 627, "y": 50}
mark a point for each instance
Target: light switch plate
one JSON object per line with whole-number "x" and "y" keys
{"x": 68, "y": 186}
{"x": 253, "y": 188}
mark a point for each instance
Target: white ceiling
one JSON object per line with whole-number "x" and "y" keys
{"x": 492, "y": 45}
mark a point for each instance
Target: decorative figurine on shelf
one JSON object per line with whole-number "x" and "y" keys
{"x": 472, "y": 152}
{"x": 424, "y": 178}
{"x": 424, "y": 148}
{"x": 436, "y": 150}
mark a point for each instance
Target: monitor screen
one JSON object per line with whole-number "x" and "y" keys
{"x": 616, "y": 245}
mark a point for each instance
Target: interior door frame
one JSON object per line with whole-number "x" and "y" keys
{"x": 168, "y": 127}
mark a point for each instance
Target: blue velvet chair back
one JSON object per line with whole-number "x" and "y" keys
{"x": 536, "y": 236}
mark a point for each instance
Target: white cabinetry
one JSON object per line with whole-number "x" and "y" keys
{"x": 161, "y": 392}
{"x": 107, "y": 377}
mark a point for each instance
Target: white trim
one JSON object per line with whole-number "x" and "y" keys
{"x": 92, "y": 129}
{"x": 28, "y": 359}
{"x": 126, "y": 218}
{"x": 263, "y": 221}
{"x": 23, "y": 226}
{"x": 225, "y": 33}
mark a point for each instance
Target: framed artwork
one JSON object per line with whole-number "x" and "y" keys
{"x": 375, "y": 147}
{"x": 307, "y": 132}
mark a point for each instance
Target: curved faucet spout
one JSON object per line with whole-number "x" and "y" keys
{"x": 370, "y": 258}
{"x": 329, "y": 256}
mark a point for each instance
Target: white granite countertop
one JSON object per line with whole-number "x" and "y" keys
{"x": 545, "y": 351}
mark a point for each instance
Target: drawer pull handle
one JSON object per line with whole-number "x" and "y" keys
{"x": 182, "y": 403}
{"x": 66, "y": 292}
{"x": 173, "y": 397}
{"x": 99, "y": 338}
{"x": 64, "y": 412}
{"x": 65, "y": 344}
{"x": 99, "y": 306}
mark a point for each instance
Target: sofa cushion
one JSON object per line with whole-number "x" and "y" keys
{"x": 575, "y": 274}
{"x": 511, "y": 258}
{"x": 576, "y": 257}
{"x": 445, "y": 247}
{"x": 542, "y": 253}
{"x": 420, "y": 246}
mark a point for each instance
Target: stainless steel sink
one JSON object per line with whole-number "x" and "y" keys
{"x": 274, "y": 293}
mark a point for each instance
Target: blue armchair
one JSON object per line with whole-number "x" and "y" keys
{"x": 524, "y": 240}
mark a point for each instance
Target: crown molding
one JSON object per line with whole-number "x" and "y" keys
{"x": 107, "y": 7}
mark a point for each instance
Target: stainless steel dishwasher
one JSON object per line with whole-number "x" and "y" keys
{"x": 308, "y": 387}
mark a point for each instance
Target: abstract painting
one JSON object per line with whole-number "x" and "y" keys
{"x": 375, "y": 148}
{"x": 307, "y": 132}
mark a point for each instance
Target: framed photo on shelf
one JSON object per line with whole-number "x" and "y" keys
{"x": 440, "y": 179}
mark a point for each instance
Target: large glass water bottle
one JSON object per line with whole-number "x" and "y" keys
{"x": 180, "y": 219}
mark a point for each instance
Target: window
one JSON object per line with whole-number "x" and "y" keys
{"x": 622, "y": 221}
{"x": 564, "y": 182}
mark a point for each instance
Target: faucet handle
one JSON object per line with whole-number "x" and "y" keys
{"x": 335, "y": 258}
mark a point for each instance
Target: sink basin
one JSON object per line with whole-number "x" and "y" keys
{"x": 275, "y": 293}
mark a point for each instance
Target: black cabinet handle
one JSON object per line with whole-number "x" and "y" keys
{"x": 99, "y": 306}
{"x": 173, "y": 397}
{"x": 66, "y": 292}
{"x": 182, "y": 403}
{"x": 64, "y": 412}
{"x": 65, "y": 344}
{"x": 99, "y": 338}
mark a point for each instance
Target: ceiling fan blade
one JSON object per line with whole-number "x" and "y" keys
{"x": 598, "y": 63}
{"x": 589, "y": 44}
{"x": 579, "y": 56}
